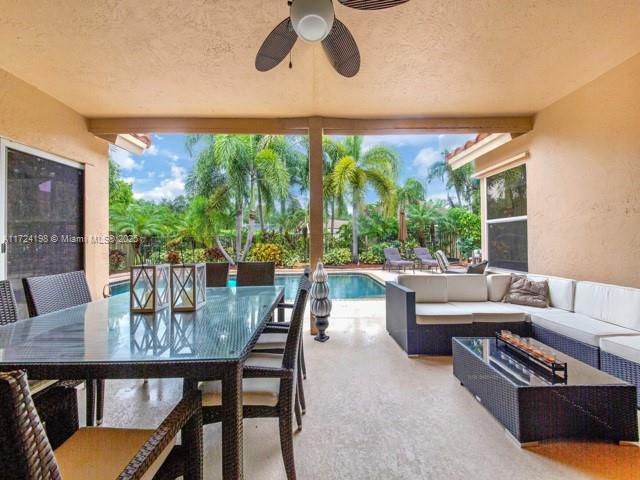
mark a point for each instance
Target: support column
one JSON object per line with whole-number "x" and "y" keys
{"x": 316, "y": 197}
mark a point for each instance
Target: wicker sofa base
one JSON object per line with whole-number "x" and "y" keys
{"x": 532, "y": 414}
{"x": 581, "y": 351}
{"x": 621, "y": 368}
{"x": 436, "y": 339}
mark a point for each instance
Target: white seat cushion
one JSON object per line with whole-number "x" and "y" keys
{"x": 561, "y": 291}
{"x": 467, "y": 288}
{"x": 579, "y": 327}
{"x": 491, "y": 311}
{"x": 269, "y": 341}
{"x": 627, "y": 347}
{"x": 531, "y": 310}
{"x": 609, "y": 303}
{"x": 99, "y": 453}
{"x": 428, "y": 288}
{"x": 255, "y": 391}
{"x": 441, "y": 314}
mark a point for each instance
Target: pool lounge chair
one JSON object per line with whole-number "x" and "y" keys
{"x": 424, "y": 258}
{"x": 392, "y": 259}
{"x": 445, "y": 266}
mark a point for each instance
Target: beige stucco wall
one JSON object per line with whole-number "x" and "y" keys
{"x": 35, "y": 119}
{"x": 583, "y": 178}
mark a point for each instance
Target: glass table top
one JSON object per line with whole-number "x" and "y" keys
{"x": 106, "y": 331}
{"x": 526, "y": 374}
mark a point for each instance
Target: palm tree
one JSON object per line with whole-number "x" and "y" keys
{"x": 460, "y": 180}
{"x": 412, "y": 193}
{"x": 139, "y": 219}
{"x": 425, "y": 216}
{"x": 333, "y": 151}
{"x": 357, "y": 170}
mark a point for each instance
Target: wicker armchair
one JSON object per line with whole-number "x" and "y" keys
{"x": 253, "y": 274}
{"x": 50, "y": 293}
{"x": 56, "y": 402}
{"x": 217, "y": 274}
{"x": 95, "y": 452}
{"x": 268, "y": 386}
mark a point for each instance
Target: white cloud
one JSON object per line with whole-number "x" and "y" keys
{"x": 152, "y": 150}
{"x": 129, "y": 180}
{"x": 425, "y": 158}
{"x": 123, "y": 159}
{"x": 395, "y": 140}
{"x": 169, "y": 188}
{"x": 157, "y": 137}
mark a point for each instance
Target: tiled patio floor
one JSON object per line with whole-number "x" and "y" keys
{"x": 375, "y": 414}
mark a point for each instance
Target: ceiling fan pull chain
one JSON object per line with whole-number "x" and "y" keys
{"x": 290, "y": 62}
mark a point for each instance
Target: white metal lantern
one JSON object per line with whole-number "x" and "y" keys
{"x": 149, "y": 288}
{"x": 188, "y": 287}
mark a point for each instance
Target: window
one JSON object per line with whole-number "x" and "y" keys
{"x": 507, "y": 219}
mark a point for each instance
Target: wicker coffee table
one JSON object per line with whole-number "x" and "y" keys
{"x": 533, "y": 406}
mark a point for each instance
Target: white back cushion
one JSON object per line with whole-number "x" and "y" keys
{"x": 561, "y": 290}
{"x": 609, "y": 303}
{"x": 466, "y": 287}
{"x": 428, "y": 288}
{"x": 497, "y": 285}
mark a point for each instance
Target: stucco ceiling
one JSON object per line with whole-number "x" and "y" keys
{"x": 427, "y": 57}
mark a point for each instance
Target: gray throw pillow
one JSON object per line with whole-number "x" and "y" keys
{"x": 523, "y": 291}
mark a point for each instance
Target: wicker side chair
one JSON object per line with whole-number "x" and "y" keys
{"x": 97, "y": 453}
{"x": 268, "y": 386}
{"x": 253, "y": 274}
{"x": 274, "y": 339}
{"x": 217, "y": 274}
{"x": 50, "y": 293}
{"x": 56, "y": 402}
{"x": 424, "y": 258}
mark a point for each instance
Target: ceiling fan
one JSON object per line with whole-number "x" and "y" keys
{"x": 314, "y": 21}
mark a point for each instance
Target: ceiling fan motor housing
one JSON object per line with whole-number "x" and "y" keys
{"x": 312, "y": 19}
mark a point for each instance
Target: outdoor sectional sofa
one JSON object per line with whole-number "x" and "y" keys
{"x": 596, "y": 323}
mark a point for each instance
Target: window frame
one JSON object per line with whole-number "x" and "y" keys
{"x": 5, "y": 145}
{"x": 518, "y": 218}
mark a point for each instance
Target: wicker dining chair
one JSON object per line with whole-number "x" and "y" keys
{"x": 253, "y": 274}
{"x": 268, "y": 386}
{"x": 274, "y": 338}
{"x": 51, "y": 293}
{"x": 56, "y": 402}
{"x": 217, "y": 274}
{"x": 94, "y": 452}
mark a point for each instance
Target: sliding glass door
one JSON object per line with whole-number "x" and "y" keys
{"x": 43, "y": 214}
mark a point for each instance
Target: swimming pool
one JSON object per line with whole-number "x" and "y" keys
{"x": 343, "y": 286}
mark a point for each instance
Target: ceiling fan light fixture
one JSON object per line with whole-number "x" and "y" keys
{"x": 312, "y": 20}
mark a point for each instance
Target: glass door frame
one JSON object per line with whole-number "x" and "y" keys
{"x": 5, "y": 145}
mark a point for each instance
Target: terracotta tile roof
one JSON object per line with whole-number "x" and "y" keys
{"x": 468, "y": 144}
{"x": 146, "y": 139}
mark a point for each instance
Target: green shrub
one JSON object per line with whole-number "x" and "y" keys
{"x": 291, "y": 258}
{"x": 266, "y": 252}
{"x": 372, "y": 256}
{"x": 337, "y": 256}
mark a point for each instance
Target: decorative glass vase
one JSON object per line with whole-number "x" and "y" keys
{"x": 149, "y": 288}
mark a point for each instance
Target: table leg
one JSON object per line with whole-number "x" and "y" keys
{"x": 192, "y": 439}
{"x": 232, "y": 423}
{"x": 90, "y": 390}
{"x": 281, "y": 310}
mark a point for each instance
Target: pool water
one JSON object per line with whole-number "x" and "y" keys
{"x": 342, "y": 286}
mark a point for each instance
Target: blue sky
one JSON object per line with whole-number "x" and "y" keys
{"x": 162, "y": 170}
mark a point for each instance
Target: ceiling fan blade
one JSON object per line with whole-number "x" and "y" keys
{"x": 371, "y": 4}
{"x": 341, "y": 49}
{"x": 276, "y": 46}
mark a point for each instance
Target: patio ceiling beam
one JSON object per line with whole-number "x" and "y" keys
{"x": 397, "y": 126}
{"x": 105, "y": 127}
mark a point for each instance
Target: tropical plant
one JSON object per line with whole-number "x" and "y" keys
{"x": 266, "y": 252}
{"x": 423, "y": 219}
{"x": 460, "y": 180}
{"x": 357, "y": 170}
{"x": 337, "y": 256}
{"x": 120, "y": 191}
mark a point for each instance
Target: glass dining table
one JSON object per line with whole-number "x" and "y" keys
{"x": 104, "y": 340}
